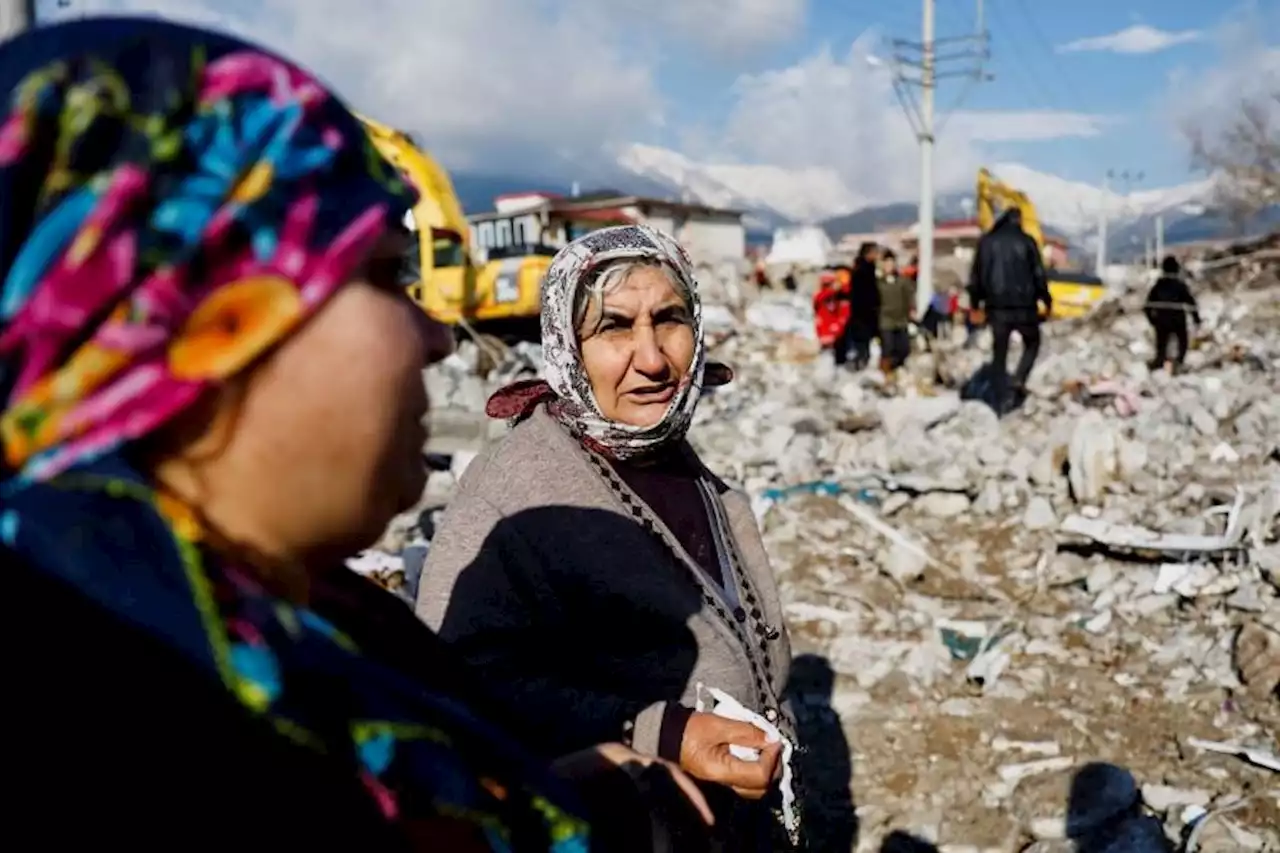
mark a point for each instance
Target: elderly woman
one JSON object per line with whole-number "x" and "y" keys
{"x": 590, "y": 563}
{"x": 210, "y": 393}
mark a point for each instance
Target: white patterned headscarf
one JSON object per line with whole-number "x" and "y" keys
{"x": 567, "y": 388}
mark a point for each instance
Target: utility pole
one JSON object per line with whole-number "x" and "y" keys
{"x": 16, "y": 17}
{"x": 1127, "y": 181}
{"x": 1159, "y": 237}
{"x": 921, "y": 64}
{"x": 924, "y": 240}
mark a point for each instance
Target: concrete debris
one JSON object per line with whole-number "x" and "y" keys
{"x": 1257, "y": 757}
{"x": 1092, "y": 578}
{"x": 1257, "y": 658}
{"x": 1135, "y": 538}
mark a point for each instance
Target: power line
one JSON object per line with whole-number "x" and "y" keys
{"x": 920, "y": 65}
{"x": 1030, "y": 79}
{"x": 1061, "y": 78}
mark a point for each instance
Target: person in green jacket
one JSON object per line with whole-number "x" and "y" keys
{"x": 897, "y": 308}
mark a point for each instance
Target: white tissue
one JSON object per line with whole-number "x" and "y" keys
{"x": 724, "y": 705}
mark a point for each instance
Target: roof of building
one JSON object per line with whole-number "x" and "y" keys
{"x": 543, "y": 193}
{"x": 588, "y": 207}
{"x": 601, "y": 214}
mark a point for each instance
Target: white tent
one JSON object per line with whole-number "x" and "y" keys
{"x": 804, "y": 245}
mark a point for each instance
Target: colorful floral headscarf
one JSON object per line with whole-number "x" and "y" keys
{"x": 566, "y": 389}
{"x": 173, "y": 203}
{"x": 159, "y": 234}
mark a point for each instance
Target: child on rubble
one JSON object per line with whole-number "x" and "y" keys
{"x": 1167, "y": 307}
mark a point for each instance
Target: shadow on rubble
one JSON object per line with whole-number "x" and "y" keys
{"x": 826, "y": 767}
{"x": 904, "y": 842}
{"x": 981, "y": 387}
{"x": 1104, "y": 813}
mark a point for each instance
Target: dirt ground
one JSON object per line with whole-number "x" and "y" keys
{"x": 925, "y": 759}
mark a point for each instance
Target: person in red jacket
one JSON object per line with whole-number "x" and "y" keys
{"x": 830, "y": 308}
{"x": 912, "y": 269}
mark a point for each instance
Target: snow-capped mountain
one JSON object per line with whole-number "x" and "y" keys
{"x": 1074, "y": 207}
{"x": 1071, "y": 208}
{"x": 804, "y": 195}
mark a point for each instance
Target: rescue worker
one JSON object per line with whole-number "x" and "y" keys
{"x": 863, "y": 296}
{"x": 897, "y": 309}
{"x": 1167, "y": 307}
{"x": 1007, "y": 283}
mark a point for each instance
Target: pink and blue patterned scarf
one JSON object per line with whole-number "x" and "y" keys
{"x": 173, "y": 203}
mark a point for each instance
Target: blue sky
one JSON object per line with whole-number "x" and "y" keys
{"x": 570, "y": 88}
{"x": 1032, "y": 70}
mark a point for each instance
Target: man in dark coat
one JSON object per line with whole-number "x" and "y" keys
{"x": 864, "y": 309}
{"x": 1167, "y": 307}
{"x": 1008, "y": 283}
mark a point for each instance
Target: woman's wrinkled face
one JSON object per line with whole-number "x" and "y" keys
{"x": 637, "y": 347}
{"x": 327, "y": 437}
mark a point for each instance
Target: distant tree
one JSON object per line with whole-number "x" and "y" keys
{"x": 1244, "y": 156}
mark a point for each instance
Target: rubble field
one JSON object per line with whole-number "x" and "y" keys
{"x": 1092, "y": 580}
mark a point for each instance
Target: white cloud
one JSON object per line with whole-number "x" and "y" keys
{"x": 732, "y": 27}
{"x": 1135, "y": 39}
{"x": 517, "y": 86}
{"x": 1026, "y": 125}
{"x": 556, "y": 88}
{"x": 841, "y": 113}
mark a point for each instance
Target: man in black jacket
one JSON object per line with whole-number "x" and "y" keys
{"x": 1167, "y": 307}
{"x": 1007, "y": 282}
{"x": 863, "y": 296}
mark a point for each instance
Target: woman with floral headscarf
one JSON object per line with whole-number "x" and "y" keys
{"x": 592, "y": 566}
{"x": 210, "y": 393}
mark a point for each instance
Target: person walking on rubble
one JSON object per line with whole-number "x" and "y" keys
{"x": 863, "y": 296}
{"x": 897, "y": 309}
{"x": 1007, "y": 283}
{"x": 1167, "y": 307}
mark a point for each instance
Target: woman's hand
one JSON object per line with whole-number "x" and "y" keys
{"x": 704, "y": 754}
{"x": 590, "y": 764}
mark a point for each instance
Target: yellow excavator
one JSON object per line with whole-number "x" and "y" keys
{"x": 501, "y": 297}
{"x": 1074, "y": 293}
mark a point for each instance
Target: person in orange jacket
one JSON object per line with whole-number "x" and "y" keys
{"x": 912, "y": 269}
{"x": 830, "y": 308}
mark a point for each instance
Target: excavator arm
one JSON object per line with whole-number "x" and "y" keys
{"x": 995, "y": 197}
{"x": 441, "y": 265}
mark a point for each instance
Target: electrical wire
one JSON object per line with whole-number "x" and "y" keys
{"x": 1061, "y": 77}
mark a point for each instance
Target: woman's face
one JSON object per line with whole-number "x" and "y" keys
{"x": 640, "y": 348}
{"x": 325, "y": 443}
